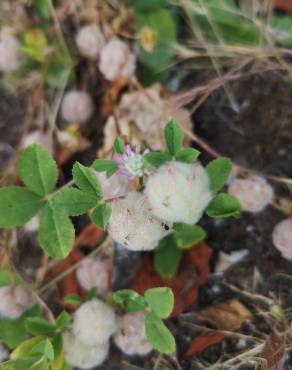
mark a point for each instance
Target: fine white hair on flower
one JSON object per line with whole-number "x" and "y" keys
{"x": 81, "y": 355}
{"x": 14, "y": 301}
{"x": 131, "y": 337}
{"x": 11, "y": 57}
{"x": 282, "y": 238}
{"x": 93, "y": 273}
{"x": 254, "y": 192}
{"x": 77, "y": 106}
{"x": 113, "y": 187}
{"x": 117, "y": 60}
{"x": 94, "y": 322}
{"x": 179, "y": 192}
{"x": 133, "y": 225}
{"x": 90, "y": 40}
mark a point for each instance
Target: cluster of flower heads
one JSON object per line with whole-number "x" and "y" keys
{"x": 87, "y": 344}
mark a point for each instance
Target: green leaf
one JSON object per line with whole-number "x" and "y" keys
{"x": 167, "y": 257}
{"x": 105, "y": 165}
{"x": 63, "y": 321}
{"x": 129, "y": 300}
{"x": 224, "y": 205}
{"x": 38, "y": 170}
{"x": 12, "y": 331}
{"x": 73, "y": 299}
{"x": 159, "y": 335}
{"x": 219, "y": 171}
{"x": 160, "y": 300}
{"x": 174, "y": 137}
{"x": 39, "y": 326}
{"x": 85, "y": 178}
{"x": 56, "y": 232}
{"x": 43, "y": 7}
{"x": 189, "y": 155}
{"x": 92, "y": 293}
{"x": 188, "y": 235}
{"x": 73, "y": 201}
{"x": 57, "y": 343}
{"x": 23, "y": 363}
{"x": 45, "y": 348}
{"x": 156, "y": 159}
{"x": 119, "y": 145}
{"x": 162, "y": 23}
{"x": 18, "y": 205}
{"x": 101, "y": 214}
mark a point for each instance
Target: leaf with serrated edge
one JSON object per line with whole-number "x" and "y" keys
{"x": 74, "y": 201}
{"x": 17, "y": 206}
{"x": 38, "y": 170}
{"x": 85, "y": 178}
{"x": 56, "y": 233}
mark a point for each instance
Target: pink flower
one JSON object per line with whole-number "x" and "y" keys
{"x": 131, "y": 163}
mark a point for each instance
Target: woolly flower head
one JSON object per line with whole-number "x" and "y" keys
{"x": 77, "y": 106}
{"x": 11, "y": 57}
{"x": 253, "y": 192}
{"x": 90, "y": 40}
{"x": 116, "y": 60}
{"x": 114, "y": 186}
{"x": 131, "y": 337}
{"x": 14, "y": 301}
{"x": 94, "y": 322}
{"x": 131, "y": 163}
{"x": 81, "y": 355}
{"x": 93, "y": 273}
{"x": 133, "y": 225}
{"x": 179, "y": 192}
{"x": 282, "y": 237}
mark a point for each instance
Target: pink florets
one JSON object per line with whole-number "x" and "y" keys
{"x": 131, "y": 163}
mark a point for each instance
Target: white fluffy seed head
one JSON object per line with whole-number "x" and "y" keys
{"x": 94, "y": 322}
{"x": 90, "y": 40}
{"x": 282, "y": 237}
{"x": 179, "y": 192}
{"x": 253, "y": 192}
{"x": 11, "y": 57}
{"x": 14, "y": 301}
{"x": 116, "y": 60}
{"x": 83, "y": 356}
{"x": 114, "y": 186}
{"x": 131, "y": 336}
{"x": 93, "y": 273}
{"x": 133, "y": 225}
{"x": 77, "y": 106}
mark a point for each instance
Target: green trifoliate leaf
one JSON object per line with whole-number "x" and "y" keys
{"x": 189, "y": 155}
{"x": 39, "y": 326}
{"x": 167, "y": 257}
{"x": 119, "y": 145}
{"x": 158, "y": 334}
{"x": 224, "y": 205}
{"x": 56, "y": 232}
{"x": 38, "y": 170}
{"x": 105, "y": 165}
{"x": 188, "y": 235}
{"x": 160, "y": 300}
{"x": 156, "y": 159}
{"x": 129, "y": 300}
{"x": 63, "y": 321}
{"x": 74, "y": 201}
{"x": 85, "y": 178}
{"x": 174, "y": 137}
{"x": 101, "y": 214}
{"x": 73, "y": 299}
{"x": 23, "y": 363}
{"x": 17, "y": 206}
{"x": 219, "y": 171}
{"x": 12, "y": 331}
